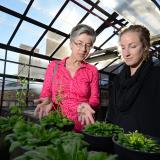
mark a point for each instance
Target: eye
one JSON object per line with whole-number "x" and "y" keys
{"x": 88, "y": 46}
{"x": 80, "y": 44}
{"x": 133, "y": 46}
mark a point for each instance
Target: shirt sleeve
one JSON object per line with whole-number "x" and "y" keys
{"x": 94, "y": 98}
{"x": 47, "y": 84}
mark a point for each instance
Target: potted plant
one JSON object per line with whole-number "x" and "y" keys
{"x": 6, "y": 127}
{"x": 62, "y": 151}
{"x": 8, "y": 121}
{"x": 56, "y": 118}
{"x": 99, "y": 135}
{"x": 28, "y": 136}
{"x": 136, "y": 146}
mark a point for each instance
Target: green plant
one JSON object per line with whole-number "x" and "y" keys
{"x": 8, "y": 123}
{"x": 65, "y": 151}
{"x": 56, "y": 118}
{"x": 138, "y": 141}
{"x": 21, "y": 93}
{"x": 58, "y": 100}
{"x": 103, "y": 129}
{"x": 31, "y": 136}
{"x": 20, "y": 97}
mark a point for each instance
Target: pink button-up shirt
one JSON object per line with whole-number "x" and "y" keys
{"x": 83, "y": 87}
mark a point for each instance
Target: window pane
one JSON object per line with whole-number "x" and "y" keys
{"x": 34, "y": 90}
{"x": 37, "y": 73}
{"x": 44, "y": 11}
{"x": 52, "y": 42}
{"x": 20, "y": 69}
{"x": 91, "y": 19}
{"x": 39, "y": 62}
{"x": 41, "y": 47}
{"x": 2, "y": 54}
{"x": 69, "y": 17}
{"x": 101, "y": 38}
{"x": 28, "y": 34}
{"x": 11, "y": 86}
{"x": 2, "y": 66}
{"x": 16, "y": 5}
{"x": 11, "y": 68}
{"x": 63, "y": 52}
{"x": 7, "y": 26}
{"x": 13, "y": 56}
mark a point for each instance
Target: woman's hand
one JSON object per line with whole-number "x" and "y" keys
{"x": 44, "y": 106}
{"x": 85, "y": 114}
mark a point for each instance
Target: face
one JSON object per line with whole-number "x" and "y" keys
{"x": 81, "y": 46}
{"x": 132, "y": 49}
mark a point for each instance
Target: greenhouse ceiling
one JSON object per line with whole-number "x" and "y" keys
{"x": 41, "y": 28}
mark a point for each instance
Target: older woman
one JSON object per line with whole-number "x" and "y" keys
{"x": 75, "y": 80}
{"x": 135, "y": 96}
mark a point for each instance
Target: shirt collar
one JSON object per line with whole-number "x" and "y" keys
{"x": 63, "y": 62}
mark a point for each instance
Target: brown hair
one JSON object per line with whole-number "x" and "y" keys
{"x": 144, "y": 36}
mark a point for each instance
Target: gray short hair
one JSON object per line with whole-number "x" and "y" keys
{"x": 83, "y": 28}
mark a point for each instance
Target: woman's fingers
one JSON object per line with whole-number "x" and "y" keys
{"x": 37, "y": 110}
{"x": 44, "y": 106}
{"x": 37, "y": 101}
{"x": 85, "y": 114}
{"x": 48, "y": 108}
{"x": 43, "y": 101}
{"x": 86, "y": 119}
{"x": 91, "y": 119}
{"x": 40, "y": 115}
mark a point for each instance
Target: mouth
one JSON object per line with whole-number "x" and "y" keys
{"x": 128, "y": 59}
{"x": 83, "y": 55}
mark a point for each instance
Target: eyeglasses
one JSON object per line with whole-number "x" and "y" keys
{"x": 81, "y": 45}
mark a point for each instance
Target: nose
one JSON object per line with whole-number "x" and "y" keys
{"x": 84, "y": 48}
{"x": 126, "y": 52}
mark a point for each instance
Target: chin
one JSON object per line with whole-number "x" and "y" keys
{"x": 81, "y": 59}
{"x": 129, "y": 63}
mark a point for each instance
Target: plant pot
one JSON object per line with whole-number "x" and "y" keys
{"x": 18, "y": 152}
{"x": 4, "y": 147}
{"x": 68, "y": 127}
{"x": 130, "y": 154}
{"x": 99, "y": 143}
{"x": 29, "y": 116}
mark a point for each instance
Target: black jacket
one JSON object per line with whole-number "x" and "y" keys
{"x": 143, "y": 112}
